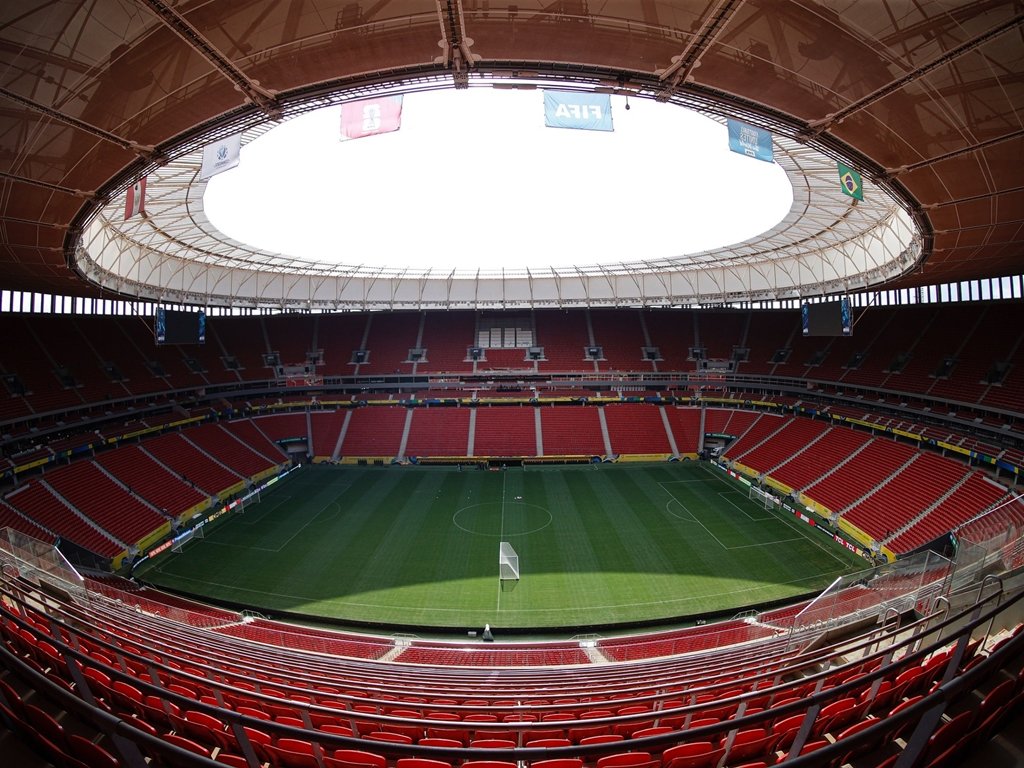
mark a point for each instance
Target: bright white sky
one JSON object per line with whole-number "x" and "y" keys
{"x": 474, "y": 178}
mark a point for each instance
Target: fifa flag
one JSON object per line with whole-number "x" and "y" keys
{"x": 750, "y": 141}
{"x": 221, "y": 156}
{"x": 135, "y": 200}
{"x": 851, "y": 182}
{"x": 585, "y": 111}
{"x": 369, "y": 117}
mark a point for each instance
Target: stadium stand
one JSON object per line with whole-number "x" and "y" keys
{"x": 38, "y": 503}
{"x": 137, "y": 470}
{"x": 796, "y": 436}
{"x": 340, "y": 336}
{"x": 217, "y": 442}
{"x": 571, "y": 430}
{"x": 565, "y": 337}
{"x": 634, "y": 428}
{"x": 117, "y": 509}
{"x": 915, "y": 662}
{"x": 685, "y": 424}
{"x": 836, "y": 446}
{"x": 446, "y": 338}
{"x": 326, "y": 430}
{"x": 505, "y": 431}
{"x": 248, "y": 432}
{"x": 390, "y": 338}
{"x": 672, "y": 333}
{"x": 292, "y": 337}
{"x": 374, "y": 431}
{"x": 913, "y": 488}
{"x": 763, "y": 428}
{"x": 193, "y": 466}
{"x": 438, "y": 432}
{"x": 621, "y": 340}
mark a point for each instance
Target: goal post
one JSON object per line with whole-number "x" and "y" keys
{"x": 508, "y": 562}
{"x": 187, "y": 536}
{"x": 759, "y": 496}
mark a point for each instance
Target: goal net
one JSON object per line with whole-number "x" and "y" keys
{"x": 508, "y": 562}
{"x": 192, "y": 533}
{"x": 759, "y": 496}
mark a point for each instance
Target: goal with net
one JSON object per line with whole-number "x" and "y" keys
{"x": 761, "y": 497}
{"x": 186, "y": 537}
{"x": 508, "y": 562}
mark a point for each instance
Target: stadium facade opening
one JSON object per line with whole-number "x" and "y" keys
{"x": 497, "y": 208}
{"x": 657, "y": 182}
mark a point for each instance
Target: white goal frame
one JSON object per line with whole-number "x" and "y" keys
{"x": 191, "y": 533}
{"x": 508, "y": 562}
{"x": 761, "y": 497}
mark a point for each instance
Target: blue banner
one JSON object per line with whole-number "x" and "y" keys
{"x": 586, "y": 111}
{"x": 750, "y": 141}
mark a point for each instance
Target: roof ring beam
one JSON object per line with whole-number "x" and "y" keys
{"x": 258, "y": 95}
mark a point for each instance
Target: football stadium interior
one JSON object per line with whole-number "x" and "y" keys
{"x": 751, "y": 505}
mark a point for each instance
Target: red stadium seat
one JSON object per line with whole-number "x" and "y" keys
{"x": 694, "y": 754}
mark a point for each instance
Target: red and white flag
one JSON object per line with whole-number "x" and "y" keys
{"x": 135, "y": 201}
{"x": 369, "y": 117}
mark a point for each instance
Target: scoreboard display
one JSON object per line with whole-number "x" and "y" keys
{"x": 177, "y": 327}
{"x": 828, "y": 318}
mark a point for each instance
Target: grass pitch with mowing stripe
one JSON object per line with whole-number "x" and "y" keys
{"x": 418, "y": 546}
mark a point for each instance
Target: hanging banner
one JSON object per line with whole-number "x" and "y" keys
{"x": 750, "y": 141}
{"x": 135, "y": 199}
{"x": 584, "y": 111}
{"x": 850, "y": 182}
{"x": 369, "y": 117}
{"x": 221, "y": 156}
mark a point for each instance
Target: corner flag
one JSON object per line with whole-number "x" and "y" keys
{"x": 851, "y": 182}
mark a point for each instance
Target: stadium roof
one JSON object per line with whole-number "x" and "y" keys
{"x": 924, "y": 99}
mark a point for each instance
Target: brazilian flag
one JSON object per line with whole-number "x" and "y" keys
{"x": 851, "y": 182}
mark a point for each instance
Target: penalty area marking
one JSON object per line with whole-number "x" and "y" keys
{"x": 725, "y": 497}
{"x": 693, "y": 519}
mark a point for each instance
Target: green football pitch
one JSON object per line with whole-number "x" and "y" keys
{"x": 418, "y": 547}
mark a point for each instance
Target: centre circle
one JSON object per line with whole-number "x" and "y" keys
{"x": 502, "y": 520}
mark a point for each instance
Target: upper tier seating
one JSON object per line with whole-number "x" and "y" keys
{"x": 563, "y": 334}
{"x": 291, "y": 336}
{"x": 621, "y": 338}
{"x": 391, "y": 337}
{"x": 446, "y": 337}
{"x": 339, "y": 336}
